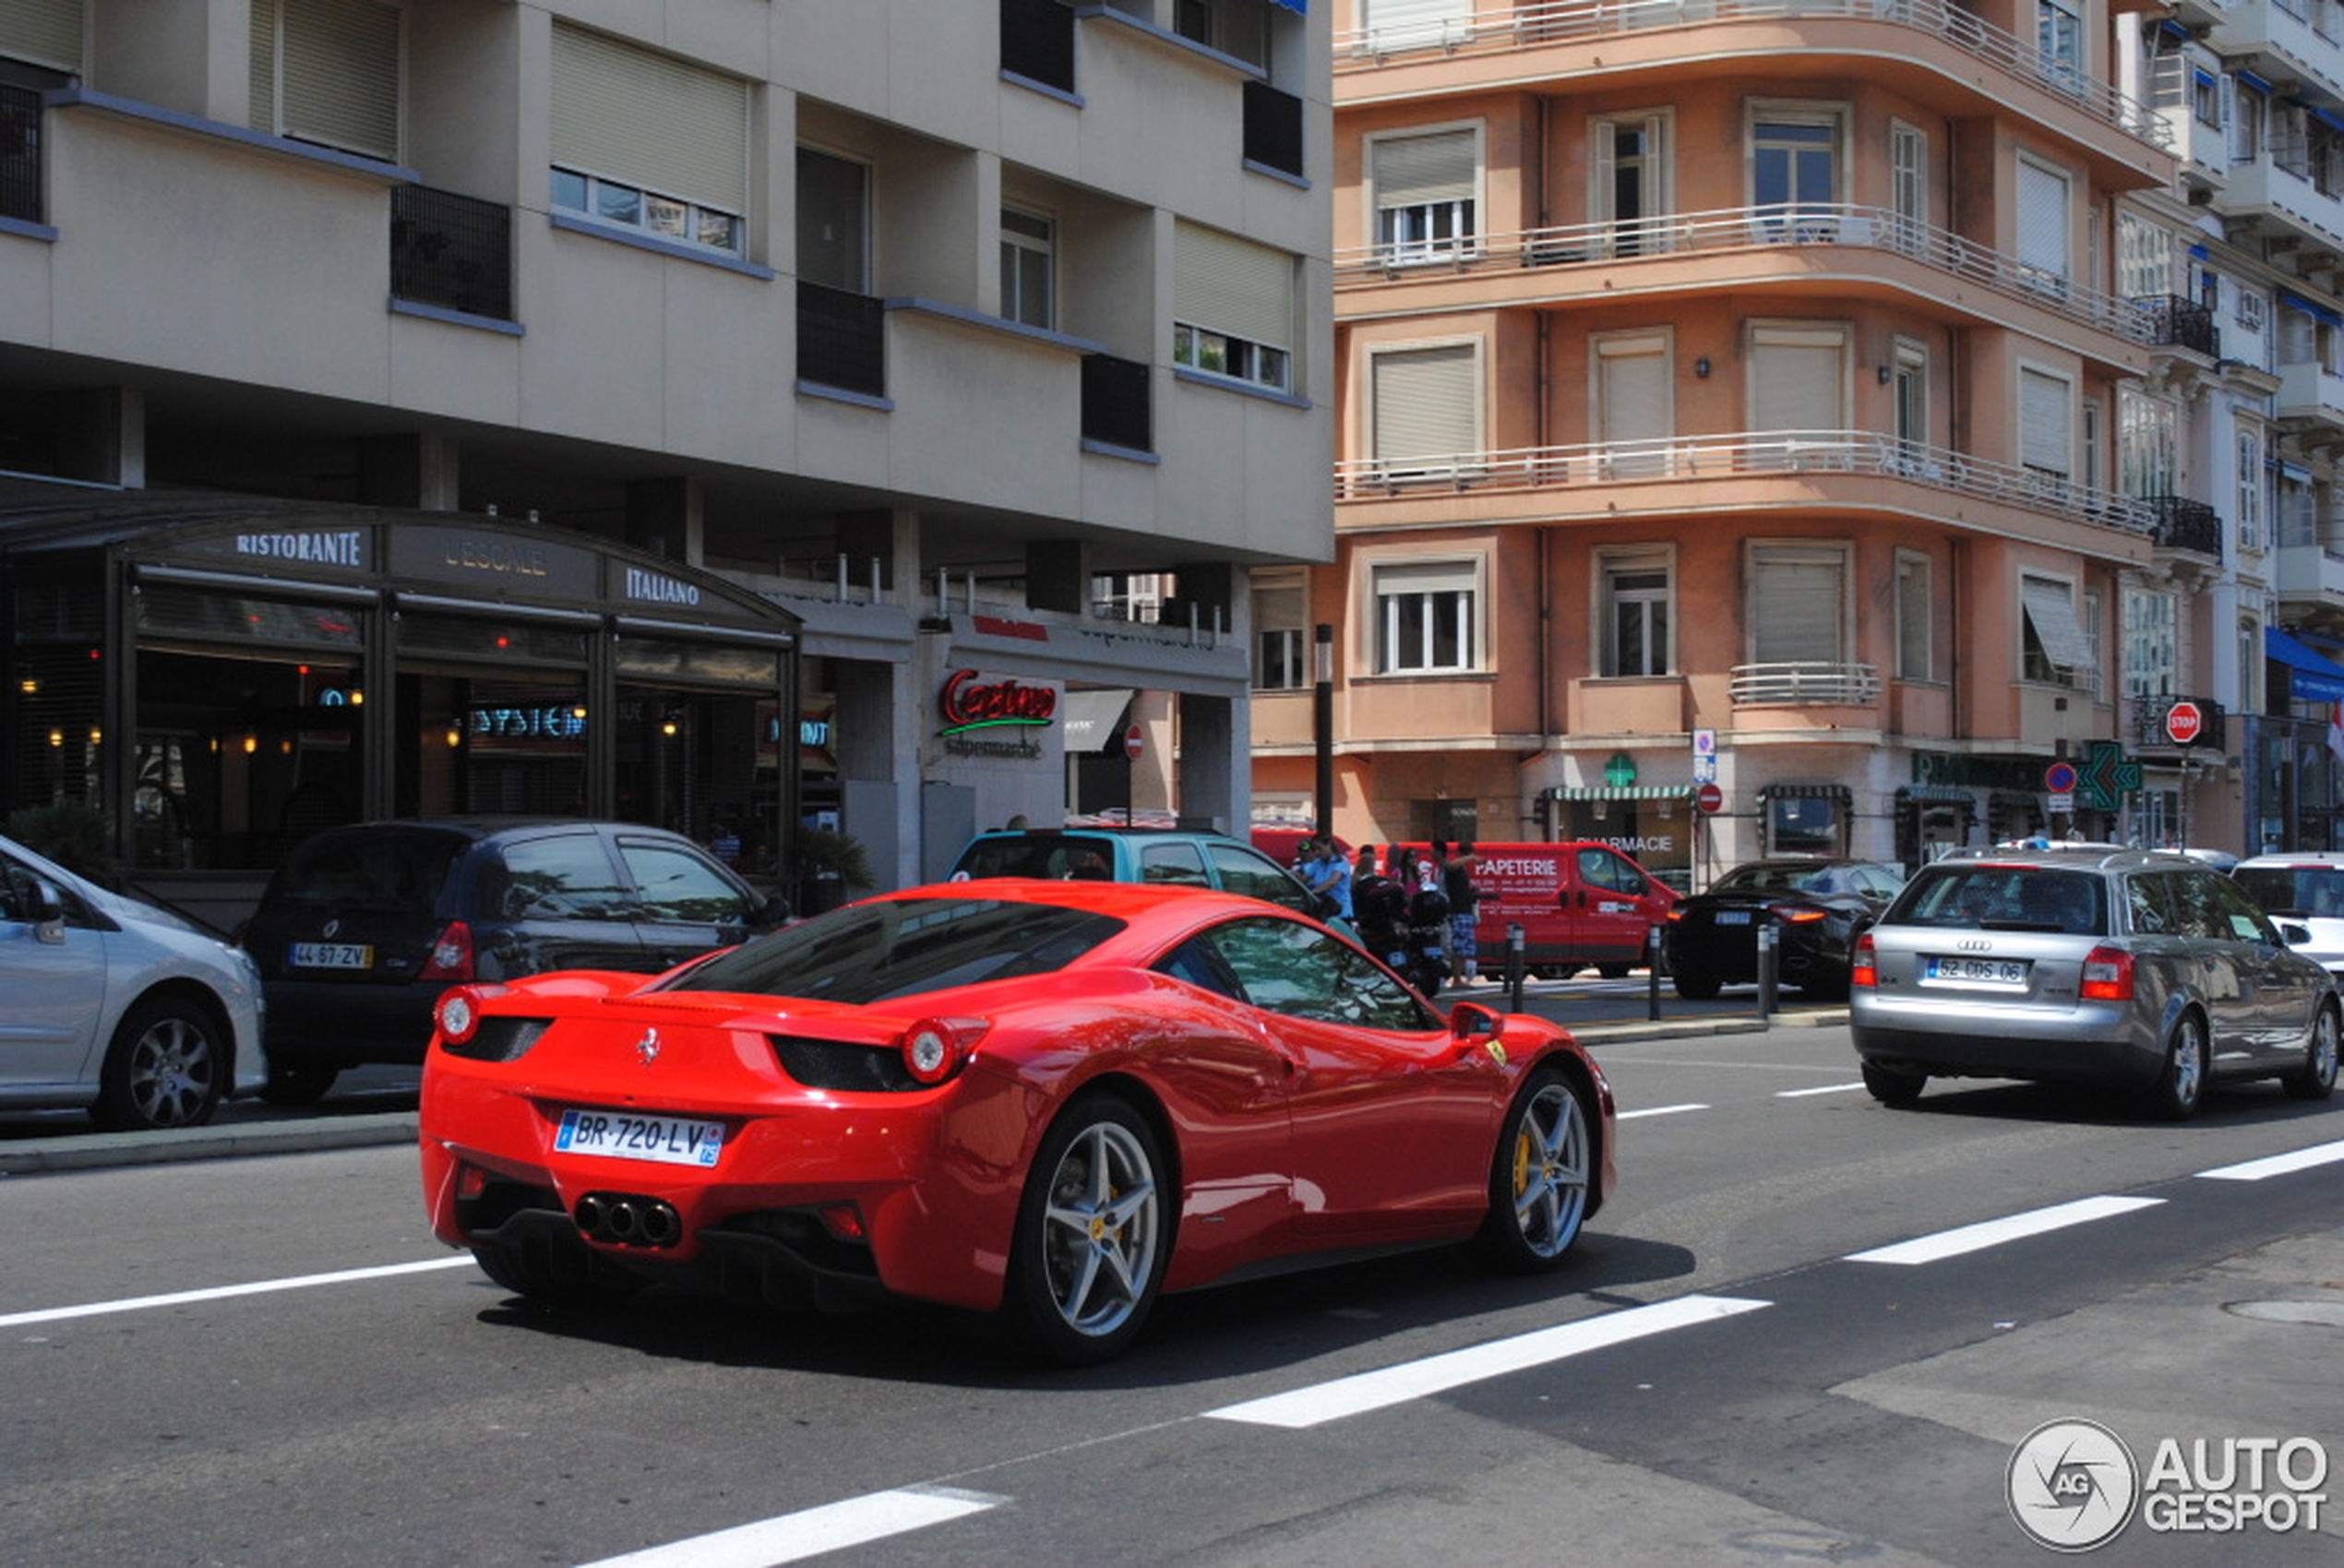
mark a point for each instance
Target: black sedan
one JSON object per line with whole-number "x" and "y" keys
{"x": 1815, "y": 908}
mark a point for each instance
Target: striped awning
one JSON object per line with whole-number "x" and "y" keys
{"x": 1940, "y": 794}
{"x": 1804, "y": 792}
{"x": 1620, "y": 792}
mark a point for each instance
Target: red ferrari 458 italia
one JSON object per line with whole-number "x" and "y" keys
{"x": 1045, "y": 1100}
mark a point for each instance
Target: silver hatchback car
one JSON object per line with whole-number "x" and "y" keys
{"x": 2144, "y": 971}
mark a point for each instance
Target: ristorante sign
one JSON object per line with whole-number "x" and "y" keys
{"x": 993, "y": 716}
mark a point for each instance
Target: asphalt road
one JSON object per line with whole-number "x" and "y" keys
{"x": 267, "y": 1360}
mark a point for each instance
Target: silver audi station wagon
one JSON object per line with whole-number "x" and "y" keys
{"x": 2135, "y": 969}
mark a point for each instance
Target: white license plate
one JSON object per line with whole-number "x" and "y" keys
{"x": 1980, "y": 971}
{"x": 624, "y": 1135}
{"x": 333, "y": 955}
{"x": 1733, "y": 917}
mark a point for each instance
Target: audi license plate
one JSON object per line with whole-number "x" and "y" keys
{"x": 623, "y": 1135}
{"x": 1978, "y": 971}
{"x": 333, "y": 955}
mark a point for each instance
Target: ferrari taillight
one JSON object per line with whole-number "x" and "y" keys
{"x": 452, "y": 954}
{"x": 1863, "y": 964}
{"x": 2107, "y": 974}
{"x": 457, "y": 1015}
{"x": 934, "y": 1049}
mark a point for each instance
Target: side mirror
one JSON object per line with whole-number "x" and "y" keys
{"x": 2294, "y": 935}
{"x": 48, "y": 912}
{"x": 1471, "y": 1021}
{"x": 772, "y": 913}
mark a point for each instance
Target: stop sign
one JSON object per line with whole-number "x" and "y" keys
{"x": 2184, "y": 720}
{"x": 1709, "y": 798}
{"x": 1133, "y": 738}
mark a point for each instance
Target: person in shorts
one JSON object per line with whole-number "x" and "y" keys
{"x": 1465, "y": 946}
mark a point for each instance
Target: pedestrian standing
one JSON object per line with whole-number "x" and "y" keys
{"x": 1380, "y": 909}
{"x": 1464, "y": 941}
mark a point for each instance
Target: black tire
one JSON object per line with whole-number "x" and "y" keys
{"x": 1541, "y": 1176}
{"x": 1696, "y": 986}
{"x": 1892, "y": 1086}
{"x": 1614, "y": 971}
{"x": 2315, "y": 1080}
{"x": 552, "y": 1274}
{"x": 167, "y": 1066}
{"x": 1094, "y": 1236}
{"x": 2181, "y": 1082}
{"x": 298, "y": 1083}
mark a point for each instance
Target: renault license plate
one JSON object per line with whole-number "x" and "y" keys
{"x": 625, "y": 1135}
{"x": 333, "y": 955}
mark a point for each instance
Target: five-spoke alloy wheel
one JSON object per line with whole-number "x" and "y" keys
{"x": 1093, "y": 1235}
{"x": 1539, "y": 1178}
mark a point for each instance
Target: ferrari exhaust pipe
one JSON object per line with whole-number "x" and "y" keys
{"x": 622, "y": 1220}
{"x": 657, "y": 1225}
{"x": 594, "y": 1214}
{"x": 628, "y": 1219}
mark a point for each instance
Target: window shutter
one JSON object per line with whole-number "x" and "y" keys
{"x": 1404, "y": 24}
{"x": 46, "y": 33}
{"x": 1425, "y": 403}
{"x": 263, "y": 57}
{"x": 2052, "y": 615}
{"x": 1225, "y": 284}
{"x": 644, "y": 119}
{"x": 1795, "y": 382}
{"x": 2042, "y": 219}
{"x": 1414, "y": 169}
{"x": 1796, "y": 603}
{"x": 1632, "y": 390}
{"x": 339, "y": 64}
{"x": 1425, "y": 577}
{"x": 2044, "y": 420}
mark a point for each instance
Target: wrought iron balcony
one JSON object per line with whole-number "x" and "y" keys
{"x": 2184, "y": 524}
{"x": 19, "y": 153}
{"x": 1114, "y": 403}
{"x": 455, "y": 252}
{"x": 841, "y": 339}
{"x": 1803, "y": 683}
{"x": 1599, "y": 247}
{"x": 2144, "y": 724}
{"x": 2175, "y": 322}
{"x": 1038, "y": 42}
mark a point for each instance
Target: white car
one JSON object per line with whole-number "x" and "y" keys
{"x": 2304, "y": 889}
{"x": 111, "y": 1004}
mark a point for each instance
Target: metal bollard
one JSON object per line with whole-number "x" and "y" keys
{"x": 1767, "y": 964}
{"x": 1513, "y": 966}
{"x": 1652, "y": 968}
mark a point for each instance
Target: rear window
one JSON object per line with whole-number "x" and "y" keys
{"x": 2004, "y": 898}
{"x": 390, "y": 873}
{"x": 2305, "y": 893}
{"x": 876, "y": 951}
{"x": 1051, "y": 856}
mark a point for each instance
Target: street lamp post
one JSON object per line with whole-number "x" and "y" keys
{"x": 1323, "y": 722}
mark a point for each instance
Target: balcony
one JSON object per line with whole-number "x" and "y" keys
{"x": 2279, "y": 197}
{"x": 2143, "y": 720}
{"x": 451, "y": 252}
{"x": 1803, "y": 683}
{"x": 1856, "y": 453}
{"x": 2310, "y": 394}
{"x": 841, "y": 339}
{"x": 1272, "y": 129}
{"x": 19, "y": 153}
{"x": 2179, "y": 323}
{"x": 2184, "y": 524}
{"x": 2280, "y": 38}
{"x": 1499, "y": 30}
{"x": 1116, "y": 402}
{"x": 2175, "y": 83}
{"x": 2309, "y": 572}
{"x": 1037, "y": 42}
{"x": 1596, "y": 250}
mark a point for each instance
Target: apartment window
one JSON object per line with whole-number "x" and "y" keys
{"x": 1240, "y": 28}
{"x": 45, "y": 32}
{"x": 1425, "y": 207}
{"x": 1798, "y": 607}
{"x": 2250, "y": 123}
{"x": 1909, "y": 389}
{"x": 1232, "y": 308}
{"x": 1634, "y": 397}
{"x": 1908, "y": 180}
{"x": 1916, "y": 606}
{"x": 1028, "y": 263}
{"x": 2251, "y": 483}
{"x": 1634, "y": 615}
{"x": 833, "y": 220}
{"x": 2205, "y": 97}
{"x": 2152, "y": 642}
{"x": 1425, "y": 616}
{"x": 1281, "y": 636}
{"x": 644, "y": 142}
{"x": 2144, "y": 259}
{"x": 2058, "y": 42}
{"x": 2046, "y": 423}
{"x": 1415, "y": 24}
{"x": 1794, "y": 167}
{"x": 328, "y": 71}
{"x": 2147, "y": 443}
{"x": 1798, "y": 377}
{"x": 2055, "y": 647}
{"x": 2043, "y": 240}
{"x": 1425, "y": 407}
{"x": 1631, "y": 184}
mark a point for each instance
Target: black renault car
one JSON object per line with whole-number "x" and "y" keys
{"x": 364, "y": 926}
{"x": 1815, "y": 908}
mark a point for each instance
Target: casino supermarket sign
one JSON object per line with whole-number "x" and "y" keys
{"x": 995, "y": 715}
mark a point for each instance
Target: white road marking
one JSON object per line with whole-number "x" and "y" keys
{"x": 1659, "y": 1110}
{"x": 792, "y": 1537}
{"x": 222, "y": 1292}
{"x": 1352, "y": 1396}
{"x": 2276, "y": 1165}
{"x": 1993, "y": 1232}
{"x": 1826, "y": 1089}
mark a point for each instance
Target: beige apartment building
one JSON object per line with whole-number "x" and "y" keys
{"x": 1811, "y": 399}
{"x": 725, "y": 413}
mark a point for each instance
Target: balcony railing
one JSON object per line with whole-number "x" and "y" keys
{"x": 455, "y": 252}
{"x": 1273, "y": 129}
{"x": 1855, "y": 452}
{"x": 2176, "y": 322}
{"x": 2184, "y": 524}
{"x": 841, "y": 339}
{"x": 1499, "y": 30}
{"x": 1114, "y": 403}
{"x": 19, "y": 153}
{"x": 1600, "y": 246}
{"x": 2144, "y": 724}
{"x": 1805, "y": 683}
{"x": 1038, "y": 42}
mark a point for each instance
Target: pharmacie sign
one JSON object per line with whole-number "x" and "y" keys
{"x": 994, "y": 715}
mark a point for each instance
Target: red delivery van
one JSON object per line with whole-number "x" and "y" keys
{"x": 1578, "y": 903}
